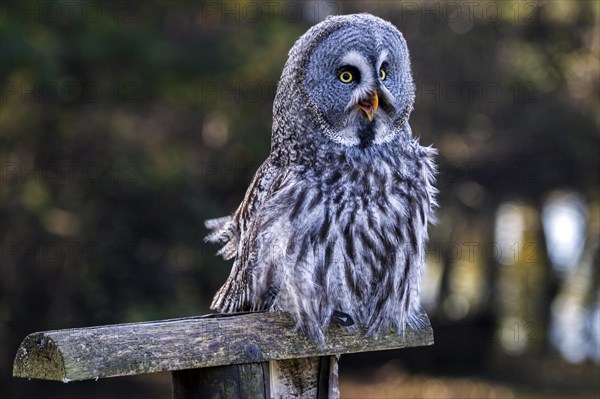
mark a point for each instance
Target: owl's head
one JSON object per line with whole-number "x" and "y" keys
{"x": 352, "y": 72}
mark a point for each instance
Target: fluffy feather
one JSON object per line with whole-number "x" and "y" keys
{"x": 336, "y": 218}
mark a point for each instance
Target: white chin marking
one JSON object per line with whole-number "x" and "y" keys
{"x": 383, "y": 133}
{"x": 384, "y": 138}
{"x": 349, "y": 136}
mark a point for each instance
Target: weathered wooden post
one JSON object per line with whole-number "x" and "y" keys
{"x": 244, "y": 355}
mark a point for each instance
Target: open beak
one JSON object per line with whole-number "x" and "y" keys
{"x": 369, "y": 106}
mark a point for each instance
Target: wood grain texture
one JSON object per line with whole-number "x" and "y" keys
{"x": 307, "y": 377}
{"x": 237, "y": 381}
{"x": 188, "y": 343}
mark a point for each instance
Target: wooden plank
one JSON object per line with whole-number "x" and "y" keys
{"x": 195, "y": 342}
{"x": 307, "y": 377}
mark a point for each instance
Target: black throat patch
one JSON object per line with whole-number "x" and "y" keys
{"x": 366, "y": 135}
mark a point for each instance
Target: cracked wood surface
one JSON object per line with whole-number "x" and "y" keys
{"x": 187, "y": 343}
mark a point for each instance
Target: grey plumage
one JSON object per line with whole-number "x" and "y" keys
{"x": 336, "y": 217}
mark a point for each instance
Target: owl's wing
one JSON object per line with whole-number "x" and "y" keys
{"x": 235, "y": 233}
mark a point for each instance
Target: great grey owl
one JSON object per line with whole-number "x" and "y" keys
{"x": 335, "y": 220}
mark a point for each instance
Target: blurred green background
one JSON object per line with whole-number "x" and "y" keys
{"x": 123, "y": 125}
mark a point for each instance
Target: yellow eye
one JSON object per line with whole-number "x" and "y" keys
{"x": 382, "y": 74}
{"x": 346, "y": 77}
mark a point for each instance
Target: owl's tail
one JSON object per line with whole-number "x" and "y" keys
{"x": 234, "y": 294}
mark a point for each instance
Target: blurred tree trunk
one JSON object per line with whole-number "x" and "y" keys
{"x": 489, "y": 287}
{"x": 550, "y": 288}
{"x": 453, "y": 236}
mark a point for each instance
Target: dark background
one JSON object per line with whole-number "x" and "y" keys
{"x": 124, "y": 125}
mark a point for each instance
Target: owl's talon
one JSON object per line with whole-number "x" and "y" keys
{"x": 343, "y": 319}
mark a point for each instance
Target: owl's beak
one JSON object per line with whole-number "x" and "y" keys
{"x": 369, "y": 106}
